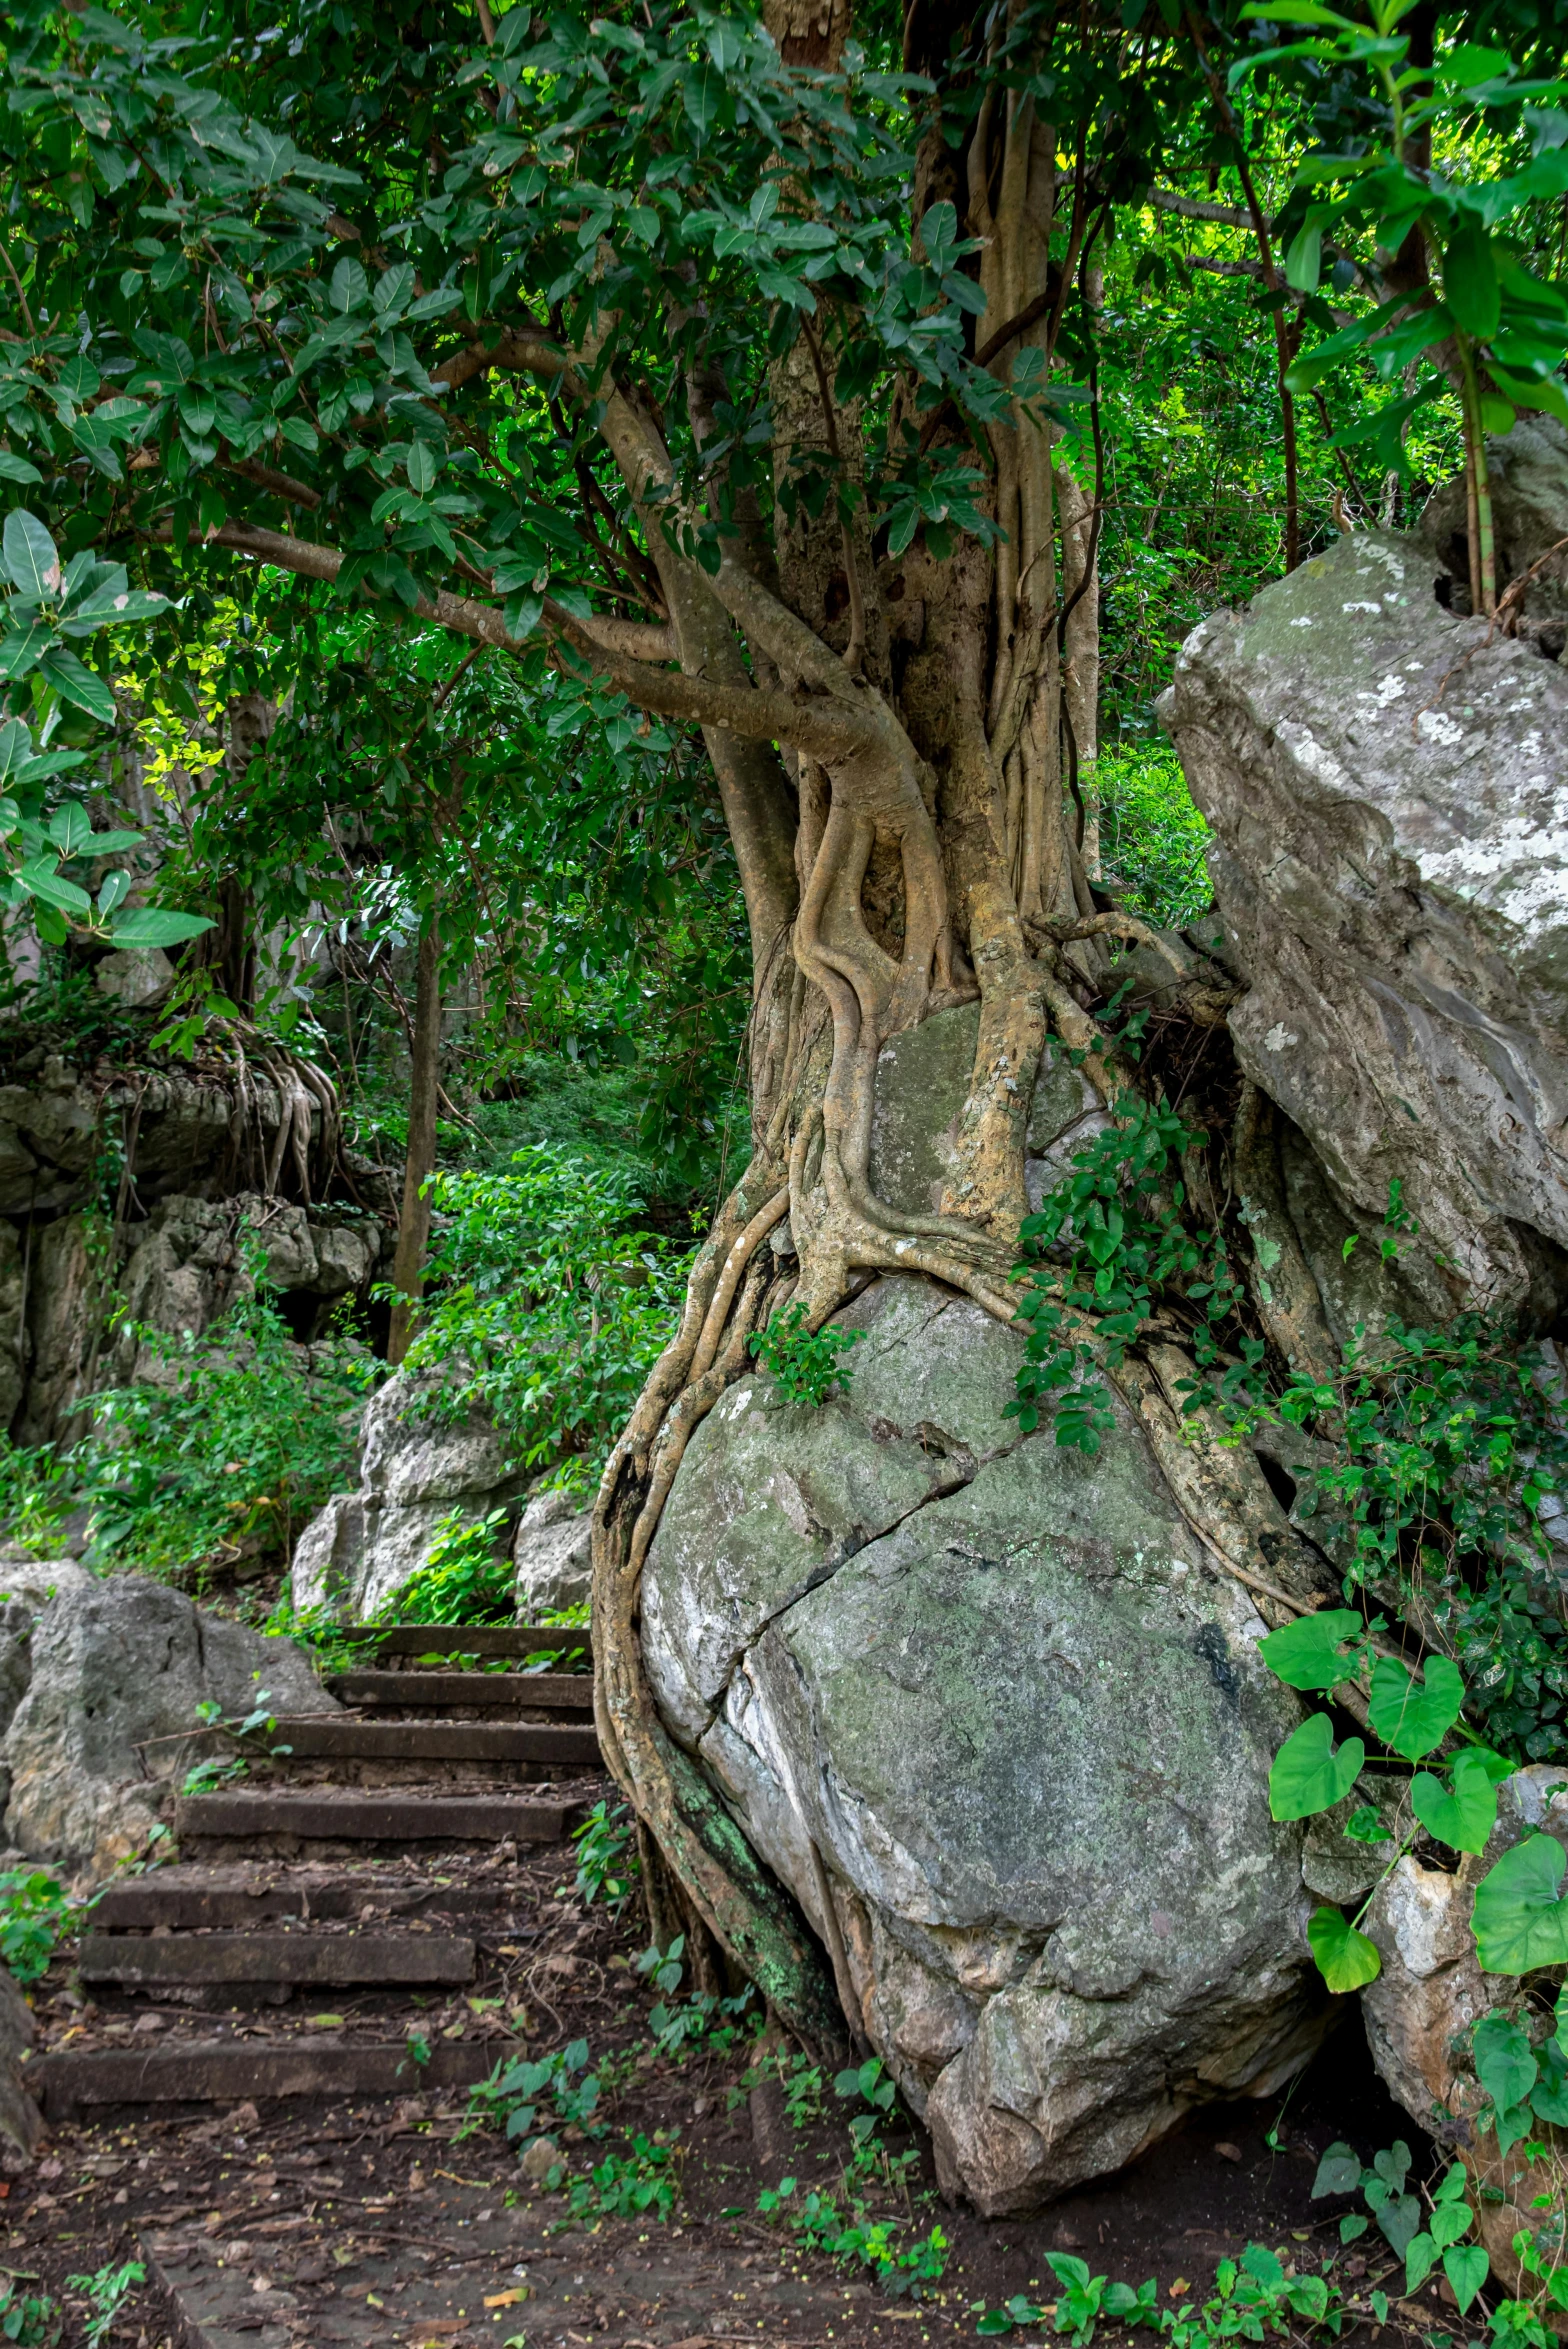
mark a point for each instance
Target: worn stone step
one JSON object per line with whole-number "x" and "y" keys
{"x": 570, "y": 1692}
{"x": 468, "y": 1639}
{"x": 190, "y": 1898}
{"x": 139, "y": 1961}
{"x": 224, "y": 2071}
{"x": 375, "y": 1818}
{"x": 329, "y": 1737}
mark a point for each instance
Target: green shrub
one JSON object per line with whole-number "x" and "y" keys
{"x": 467, "y": 1577}
{"x": 548, "y": 1306}
{"x": 237, "y": 1445}
{"x": 34, "y": 1912}
{"x": 1152, "y": 838}
{"x": 37, "y": 1494}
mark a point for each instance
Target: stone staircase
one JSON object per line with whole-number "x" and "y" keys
{"x": 380, "y": 1856}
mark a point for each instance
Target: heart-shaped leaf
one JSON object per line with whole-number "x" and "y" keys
{"x": 1400, "y": 2218}
{"x": 1346, "y": 1959}
{"x": 1308, "y": 1775}
{"x": 1463, "y": 1818}
{"x": 1309, "y": 1653}
{"x": 1410, "y": 1715}
{"x": 1420, "y": 2259}
{"x": 1519, "y": 1921}
{"x": 1450, "y": 2220}
{"x": 1339, "y": 2172}
{"x": 1467, "y": 2270}
{"x": 1503, "y": 2063}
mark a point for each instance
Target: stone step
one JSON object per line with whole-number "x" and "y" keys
{"x": 327, "y": 1737}
{"x": 226, "y": 2071}
{"x": 567, "y": 1692}
{"x": 468, "y": 1639}
{"x": 141, "y": 1961}
{"x": 191, "y": 1898}
{"x": 375, "y": 1818}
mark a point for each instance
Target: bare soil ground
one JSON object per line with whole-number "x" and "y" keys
{"x": 394, "y": 2223}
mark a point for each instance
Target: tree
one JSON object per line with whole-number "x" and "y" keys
{"x": 746, "y": 371}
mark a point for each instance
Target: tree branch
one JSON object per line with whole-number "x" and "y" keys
{"x": 826, "y": 730}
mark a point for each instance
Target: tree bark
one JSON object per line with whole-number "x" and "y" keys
{"x": 413, "y": 1231}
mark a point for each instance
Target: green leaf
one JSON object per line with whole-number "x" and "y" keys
{"x": 1346, "y": 1959}
{"x": 349, "y": 287}
{"x": 13, "y": 468}
{"x": 77, "y": 684}
{"x": 1308, "y": 1775}
{"x": 1353, "y": 2225}
{"x": 1420, "y": 2259}
{"x": 1470, "y": 287}
{"x": 1519, "y": 1921}
{"x": 1400, "y": 2219}
{"x": 1464, "y": 1818}
{"x": 21, "y": 649}
{"x": 1467, "y": 2270}
{"x": 31, "y": 560}
{"x": 1414, "y": 1716}
{"x": 1339, "y": 2172}
{"x": 1309, "y": 1652}
{"x": 1451, "y": 2220}
{"x": 69, "y": 827}
{"x": 1304, "y": 261}
{"x": 1503, "y": 2063}
{"x": 152, "y": 925}
{"x": 422, "y": 468}
{"x": 40, "y": 879}
{"x": 1549, "y": 2098}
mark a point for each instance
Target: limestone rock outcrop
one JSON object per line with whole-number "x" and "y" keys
{"x": 1388, "y": 790}
{"x": 993, "y": 1702}
{"x": 418, "y": 1473}
{"x": 1431, "y": 1989}
{"x": 98, "y": 1741}
{"x": 552, "y": 1555}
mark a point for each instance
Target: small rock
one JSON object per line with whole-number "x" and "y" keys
{"x": 540, "y": 2158}
{"x": 1227, "y": 2151}
{"x": 1065, "y": 2238}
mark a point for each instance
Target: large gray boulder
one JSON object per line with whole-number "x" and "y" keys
{"x": 418, "y": 1473}
{"x": 26, "y": 1588}
{"x": 1420, "y": 2010}
{"x": 552, "y": 1556}
{"x": 1389, "y": 796}
{"x": 117, "y": 1670}
{"x": 997, "y": 1703}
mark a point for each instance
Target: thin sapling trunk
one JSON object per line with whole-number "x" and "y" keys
{"x": 413, "y": 1232}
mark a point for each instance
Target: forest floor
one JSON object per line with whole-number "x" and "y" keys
{"x": 397, "y": 2222}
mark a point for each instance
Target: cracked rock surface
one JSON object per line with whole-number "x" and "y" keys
{"x": 992, "y": 1698}
{"x": 1388, "y": 788}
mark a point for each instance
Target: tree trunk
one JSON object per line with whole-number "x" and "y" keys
{"x": 912, "y": 843}
{"x": 413, "y": 1231}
